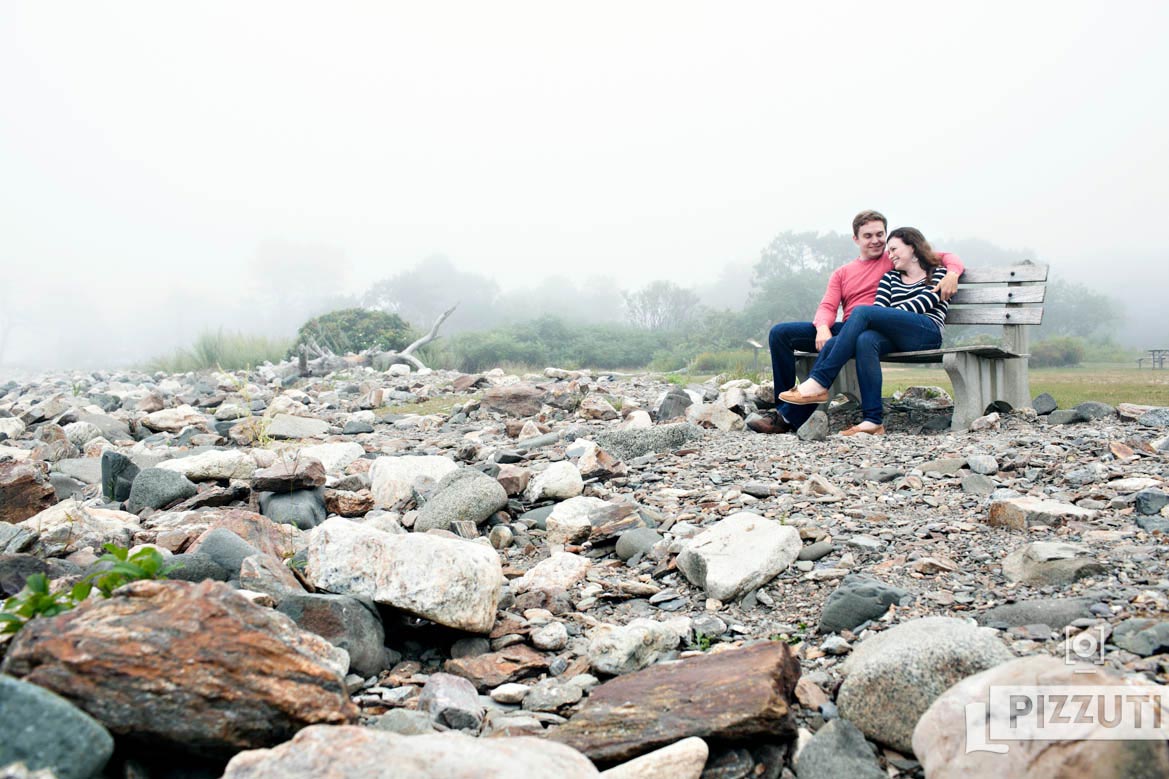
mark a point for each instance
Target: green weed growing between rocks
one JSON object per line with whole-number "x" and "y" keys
{"x": 37, "y": 600}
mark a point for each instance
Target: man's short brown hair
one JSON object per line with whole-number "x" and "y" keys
{"x": 864, "y": 217}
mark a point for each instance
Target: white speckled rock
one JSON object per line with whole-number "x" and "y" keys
{"x": 558, "y": 572}
{"x": 559, "y": 481}
{"x": 392, "y": 479}
{"x": 569, "y": 521}
{"x": 617, "y": 649}
{"x": 173, "y": 420}
{"x": 212, "y": 465}
{"x": 683, "y": 759}
{"x": 739, "y": 554}
{"x": 450, "y": 581}
{"x": 334, "y": 457}
{"x": 290, "y": 426}
{"x": 70, "y": 525}
{"x": 940, "y": 738}
{"x": 318, "y": 752}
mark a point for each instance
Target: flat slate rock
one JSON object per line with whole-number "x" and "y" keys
{"x": 728, "y": 695}
{"x": 1056, "y": 612}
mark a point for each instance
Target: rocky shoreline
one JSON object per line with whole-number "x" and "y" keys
{"x": 564, "y": 573}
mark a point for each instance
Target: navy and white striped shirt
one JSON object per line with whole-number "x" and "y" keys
{"x": 917, "y": 298}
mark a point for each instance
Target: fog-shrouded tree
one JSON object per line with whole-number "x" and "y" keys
{"x": 297, "y": 280}
{"x": 791, "y": 274}
{"x": 422, "y": 293}
{"x": 1074, "y": 309}
{"x": 589, "y": 300}
{"x": 661, "y": 305}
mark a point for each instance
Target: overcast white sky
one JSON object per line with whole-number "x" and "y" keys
{"x": 148, "y": 149}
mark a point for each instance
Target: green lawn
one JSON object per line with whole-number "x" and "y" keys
{"x": 1107, "y": 383}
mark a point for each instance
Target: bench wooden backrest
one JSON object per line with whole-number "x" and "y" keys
{"x": 1000, "y": 295}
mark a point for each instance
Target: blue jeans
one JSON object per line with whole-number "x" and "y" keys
{"x": 870, "y": 332}
{"x": 784, "y": 340}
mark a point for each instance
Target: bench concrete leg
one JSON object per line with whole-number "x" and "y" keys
{"x": 978, "y": 381}
{"x": 1016, "y": 387}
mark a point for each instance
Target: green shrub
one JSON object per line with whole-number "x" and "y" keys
{"x": 226, "y": 351}
{"x": 355, "y": 330}
{"x": 1058, "y": 352}
{"x": 668, "y": 361}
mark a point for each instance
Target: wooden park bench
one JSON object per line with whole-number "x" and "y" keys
{"x": 1008, "y": 295}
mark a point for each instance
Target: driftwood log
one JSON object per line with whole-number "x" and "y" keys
{"x": 316, "y": 360}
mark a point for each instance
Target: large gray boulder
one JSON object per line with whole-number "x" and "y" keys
{"x": 465, "y": 494}
{"x": 350, "y": 623}
{"x": 838, "y": 751}
{"x": 894, "y": 676}
{"x": 156, "y": 488}
{"x": 303, "y": 508}
{"x": 43, "y": 730}
{"x": 631, "y": 444}
{"x": 858, "y": 599}
{"x": 1050, "y": 563}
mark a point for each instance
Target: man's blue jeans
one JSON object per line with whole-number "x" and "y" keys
{"x": 784, "y": 340}
{"x": 870, "y": 332}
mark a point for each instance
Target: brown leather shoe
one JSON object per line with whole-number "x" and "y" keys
{"x": 768, "y": 422}
{"x": 794, "y": 397}
{"x": 855, "y": 429}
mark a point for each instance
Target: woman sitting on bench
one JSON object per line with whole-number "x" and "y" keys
{"x": 908, "y": 316}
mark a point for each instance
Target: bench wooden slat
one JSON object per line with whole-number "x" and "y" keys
{"x": 985, "y": 315}
{"x": 1002, "y": 274}
{"x": 1032, "y": 294}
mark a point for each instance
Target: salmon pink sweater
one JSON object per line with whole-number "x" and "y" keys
{"x": 855, "y": 284}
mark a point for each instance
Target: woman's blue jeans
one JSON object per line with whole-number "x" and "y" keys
{"x": 870, "y": 332}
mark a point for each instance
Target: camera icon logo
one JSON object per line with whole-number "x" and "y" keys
{"x": 1086, "y": 646}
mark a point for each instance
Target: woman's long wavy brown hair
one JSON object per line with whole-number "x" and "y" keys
{"x": 913, "y": 238}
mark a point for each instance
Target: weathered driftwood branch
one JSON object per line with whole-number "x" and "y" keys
{"x": 430, "y": 336}
{"x": 407, "y": 354}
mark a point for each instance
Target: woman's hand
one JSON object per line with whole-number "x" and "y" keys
{"x": 947, "y": 286}
{"x": 822, "y": 335}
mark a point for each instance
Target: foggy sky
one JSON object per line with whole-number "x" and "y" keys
{"x": 149, "y": 151}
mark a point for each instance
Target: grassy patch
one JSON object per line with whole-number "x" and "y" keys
{"x": 439, "y": 405}
{"x": 226, "y": 351}
{"x": 1106, "y": 383}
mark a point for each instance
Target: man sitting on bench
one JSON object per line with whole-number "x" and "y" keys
{"x": 851, "y": 285}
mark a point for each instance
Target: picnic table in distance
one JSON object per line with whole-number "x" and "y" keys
{"x": 1156, "y": 358}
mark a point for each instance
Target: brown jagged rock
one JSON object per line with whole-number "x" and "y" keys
{"x": 496, "y": 668}
{"x": 24, "y": 491}
{"x": 193, "y": 666}
{"x": 290, "y": 473}
{"x": 727, "y": 695}
{"x": 277, "y": 539}
{"x": 349, "y": 504}
{"x": 467, "y": 382}
{"x": 514, "y": 400}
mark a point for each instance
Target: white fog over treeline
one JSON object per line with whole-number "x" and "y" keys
{"x": 678, "y": 168}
